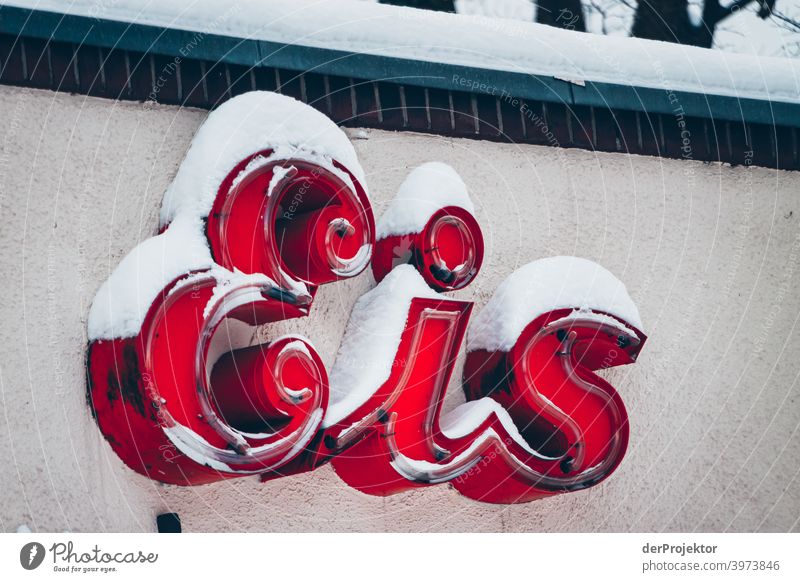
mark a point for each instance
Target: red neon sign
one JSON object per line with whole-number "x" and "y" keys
{"x": 430, "y": 224}
{"x": 183, "y": 399}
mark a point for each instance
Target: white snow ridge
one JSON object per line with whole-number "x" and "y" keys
{"x": 543, "y": 286}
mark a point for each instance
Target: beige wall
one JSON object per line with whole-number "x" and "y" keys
{"x": 709, "y": 253}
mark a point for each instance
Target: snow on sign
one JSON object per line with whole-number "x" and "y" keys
{"x": 269, "y": 204}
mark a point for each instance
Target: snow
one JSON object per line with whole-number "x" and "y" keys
{"x": 433, "y": 473}
{"x": 194, "y": 446}
{"x": 478, "y": 411}
{"x": 23, "y": 529}
{"x": 226, "y": 282}
{"x": 200, "y": 451}
{"x": 278, "y": 174}
{"x": 460, "y": 39}
{"x": 601, "y": 318}
{"x": 425, "y": 190}
{"x": 239, "y": 128}
{"x": 542, "y": 286}
{"x": 466, "y": 418}
{"x": 695, "y": 10}
{"x": 297, "y": 345}
{"x": 508, "y": 9}
{"x": 745, "y": 32}
{"x": 371, "y": 338}
{"x": 251, "y": 166}
{"x": 243, "y": 126}
{"x": 122, "y": 302}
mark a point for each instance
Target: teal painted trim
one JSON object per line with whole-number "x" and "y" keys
{"x": 665, "y": 101}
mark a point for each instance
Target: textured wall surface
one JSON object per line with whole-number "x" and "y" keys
{"x": 709, "y": 253}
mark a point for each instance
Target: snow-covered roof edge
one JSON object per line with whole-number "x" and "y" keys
{"x": 456, "y": 52}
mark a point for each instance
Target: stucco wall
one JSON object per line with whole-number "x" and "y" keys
{"x": 709, "y": 253}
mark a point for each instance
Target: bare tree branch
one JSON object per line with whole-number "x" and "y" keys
{"x": 790, "y": 23}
